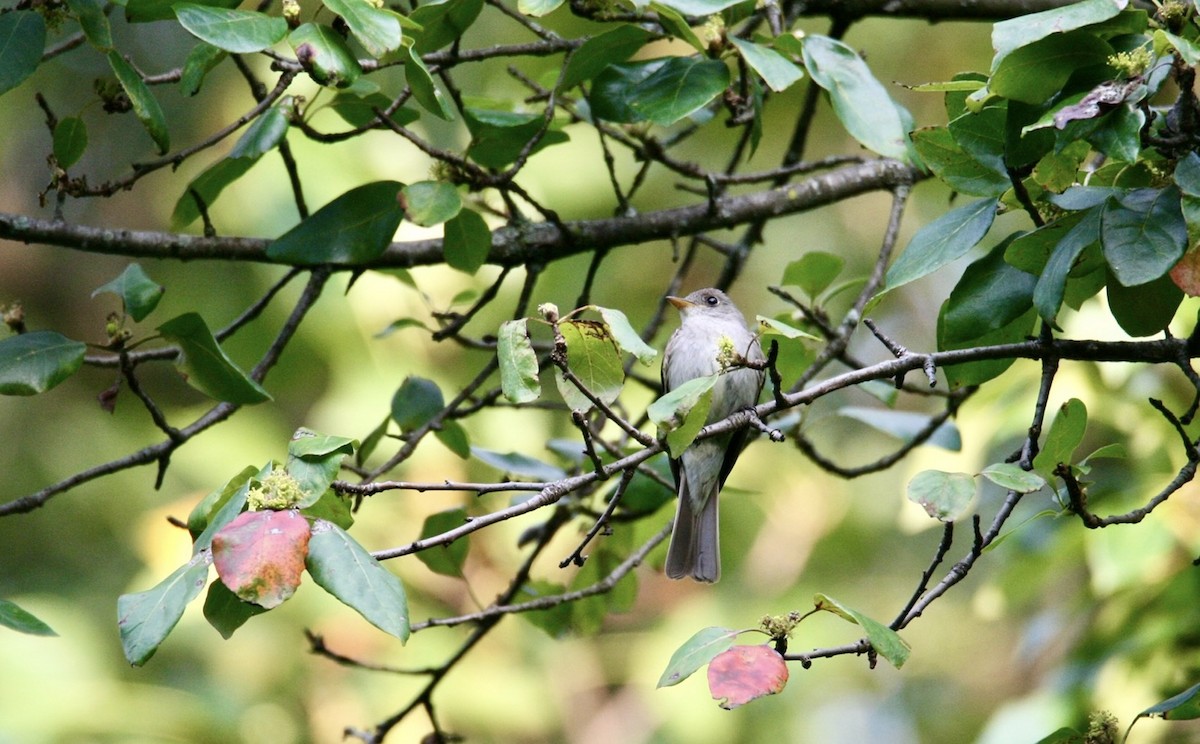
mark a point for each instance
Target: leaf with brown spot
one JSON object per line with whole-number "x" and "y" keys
{"x": 745, "y": 673}
{"x": 260, "y": 555}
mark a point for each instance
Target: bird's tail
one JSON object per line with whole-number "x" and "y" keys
{"x": 695, "y": 546}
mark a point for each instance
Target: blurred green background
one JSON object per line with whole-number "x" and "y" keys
{"x": 1052, "y": 623}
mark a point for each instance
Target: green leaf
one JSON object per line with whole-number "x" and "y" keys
{"x": 204, "y": 511}
{"x": 776, "y": 327}
{"x": 443, "y": 23}
{"x": 1187, "y": 174}
{"x": 944, "y": 496}
{"x": 145, "y": 106}
{"x": 424, "y": 90}
{"x": 325, "y": 55}
{"x": 22, "y": 40}
{"x": 200, "y": 61}
{"x": 263, "y": 135}
{"x": 680, "y": 87}
{"x": 314, "y": 460}
{"x": 1143, "y": 235}
{"x": 699, "y": 7}
{"x": 886, "y": 642}
{"x": 354, "y": 228}
{"x": 555, "y": 621}
{"x": 145, "y": 619}
{"x": 518, "y": 362}
{"x": 538, "y": 8}
{"x": 70, "y": 140}
{"x": 990, "y": 294}
{"x": 377, "y": 29}
{"x": 466, "y": 241}
{"x": 225, "y": 612}
{"x": 1144, "y": 309}
{"x": 237, "y": 31}
{"x": 499, "y": 137}
{"x": 204, "y": 364}
{"x": 776, "y": 70}
{"x": 952, "y": 165}
{"x": 1063, "y": 735}
{"x": 977, "y": 373}
{"x": 93, "y": 22}
{"x": 416, "y": 402}
{"x": 594, "y": 358}
{"x": 981, "y": 134}
{"x": 626, "y": 337}
{"x": 340, "y": 566}
{"x": 514, "y": 463}
{"x": 358, "y": 110}
{"x": 1051, "y": 285}
{"x": 1035, "y": 72}
{"x": 860, "y": 101}
{"x": 1013, "y": 477}
{"x": 813, "y": 272}
{"x": 139, "y": 293}
{"x": 905, "y": 425}
{"x": 226, "y": 508}
{"x": 1182, "y": 707}
{"x": 141, "y": 11}
{"x": 429, "y": 203}
{"x": 332, "y": 507}
{"x": 945, "y": 239}
{"x": 446, "y": 560}
{"x": 613, "y": 88}
{"x": 454, "y": 436}
{"x": 14, "y": 617}
{"x": 598, "y": 52}
{"x": 697, "y": 651}
{"x": 34, "y": 362}
{"x": 682, "y": 412}
{"x": 1066, "y": 432}
{"x": 1026, "y": 29}
{"x": 677, "y": 26}
{"x": 207, "y": 186}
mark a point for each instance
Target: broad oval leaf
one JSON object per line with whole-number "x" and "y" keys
{"x": 416, "y": 402}
{"x": 429, "y": 203}
{"x": 626, "y": 337}
{"x": 1144, "y": 309}
{"x": 446, "y": 560}
{"x": 454, "y": 437}
{"x": 466, "y": 241}
{"x": 945, "y": 239}
{"x": 518, "y": 362}
{"x": 22, "y": 40}
{"x": 681, "y": 86}
{"x": 225, "y": 612}
{"x": 1035, "y": 72}
{"x": 264, "y": 133}
{"x": 955, "y": 167}
{"x": 1013, "y": 477}
{"x": 776, "y": 70}
{"x": 340, "y": 566}
{"x": 93, "y": 22}
{"x": 499, "y": 138}
{"x": 1143, "y": 235}
{"x": 598, "y": 52}
{"x": 593, "y": 357}
{"x": 813, "y": 272}
{"x": 145, "y": 105}
{"x": 697, "y": 651}
{"x": 204, "y": 364}
{"x": 138, "y": 292}
{"x": 885, "y": 641}
{"x": 377, "y": 29}
{"x": 237, "y": 31}
{"x": 860, "y": 101}
{"x": 1066, "y": 432}
{"x": 260, "y": 555}
{"x": 145, "y": 619}
{"x": 34, "y": 362}
{"x": 442, "y": 23}
{"x": 990, "y": 294}
{"x": 1026, "y": 29}
{"x": 200, "y": 61}
{"x": 944, "y": 496}
{"x": 314, "y": 461}
{"x": 324, "y": 54}
{"x": 424, "y": 89}
{"x": 681, "y": 413}
{"x": 354, "y": 228}
{"x": 745, "y": 673}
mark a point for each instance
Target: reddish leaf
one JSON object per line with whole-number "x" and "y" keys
{"x": 744, "y": 673}
{"x": 260, "y": 554}
{"x": 1186, "y": 273}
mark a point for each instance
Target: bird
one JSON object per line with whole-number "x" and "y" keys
{"x": 712, "y": 338}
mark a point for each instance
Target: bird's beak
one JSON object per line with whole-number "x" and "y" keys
{"x": 679, "y": 302}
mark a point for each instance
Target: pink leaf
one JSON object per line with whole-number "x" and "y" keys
{"x": 745, "y": 673}
{"x": 1186, "y": 273}
{"x": 260, "y": 555}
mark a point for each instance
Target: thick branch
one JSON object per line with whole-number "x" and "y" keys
{"x": 511, "y": 246}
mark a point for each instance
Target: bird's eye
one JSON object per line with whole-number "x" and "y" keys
{"x": 711, "y": 300}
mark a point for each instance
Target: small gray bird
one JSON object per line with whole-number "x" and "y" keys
{"x": 711, "y": 322}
